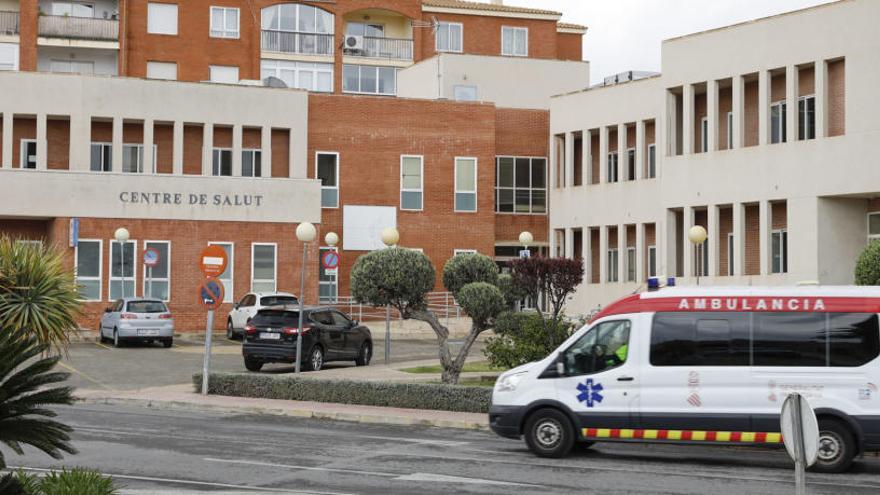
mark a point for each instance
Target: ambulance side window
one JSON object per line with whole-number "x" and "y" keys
{"x": 604, "y": 347}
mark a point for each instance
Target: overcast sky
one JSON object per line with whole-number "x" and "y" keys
{"x": 626, "y": 34}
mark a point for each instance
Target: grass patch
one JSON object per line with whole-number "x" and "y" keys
{"x": 482, "y": 367}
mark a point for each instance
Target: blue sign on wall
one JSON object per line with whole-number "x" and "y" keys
{"x": 74, "y": 232}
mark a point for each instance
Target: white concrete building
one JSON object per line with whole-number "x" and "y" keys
{"x": 762, "y": 132}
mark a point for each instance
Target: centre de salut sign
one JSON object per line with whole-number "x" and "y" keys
{"x": 180, "y": 199}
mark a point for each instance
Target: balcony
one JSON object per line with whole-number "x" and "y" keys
{"x": 79, "y": 28}
{"x": 387, "y": 48}
{"x": 299, "y": 43}
{"x": 8, "y": 22}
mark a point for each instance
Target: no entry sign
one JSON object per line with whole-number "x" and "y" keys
{"x": 211, "y": 293}
{"x": 330, "y": 260}
{"x": 213, "y": 261}
{"x": 151, "y": 257}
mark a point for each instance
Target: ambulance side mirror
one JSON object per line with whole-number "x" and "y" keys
{"x": 560, "y": 365}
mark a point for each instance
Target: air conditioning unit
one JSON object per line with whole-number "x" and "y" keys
{"x": 354, "y": 43}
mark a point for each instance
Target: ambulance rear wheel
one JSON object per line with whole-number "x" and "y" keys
{"x": 549, "y": 433}
{"x": 837, "y": 447}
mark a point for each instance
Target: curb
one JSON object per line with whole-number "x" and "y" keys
{"x": 173, "y": 405}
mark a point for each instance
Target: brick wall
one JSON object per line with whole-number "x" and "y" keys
{"x": 725, "y": 105}
{"x": 30, "y": 230}
{"x": 752, "y": 118}
{"x": 569, "y": 46}
{"x": 806, "y": 80}
{"x": 837, "y": 97}
{"x": 753, "y": 243}
{"x": 595, "y": 159}
{"x": 700, "y": 111}
{"x": 22, "y": 128}
{"x": 163, "y": 137}
{"x": 58, "y": 144}
{"x": 280, "y": 153}
{"x": 777, "y": 87}
{"x": 482, "y": 35}
{"x": 779, "y": 210}
{"x": 725, "y": 227}
{"x": 595, "y": 256}
{"x": 192, "y": 149}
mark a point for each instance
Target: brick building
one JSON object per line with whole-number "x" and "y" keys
{"x": 156, "y": 116}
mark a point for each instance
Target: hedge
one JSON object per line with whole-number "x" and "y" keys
{"x": 387, "y": 394}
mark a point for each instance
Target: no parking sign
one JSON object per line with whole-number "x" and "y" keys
{"x": 330, "y": 262}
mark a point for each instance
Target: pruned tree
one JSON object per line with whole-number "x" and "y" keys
{"x": 868, "y": 265}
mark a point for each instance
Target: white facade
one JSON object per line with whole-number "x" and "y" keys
{"x": 812, "y": 194}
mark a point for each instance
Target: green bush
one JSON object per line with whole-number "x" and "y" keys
{"x": 868, "y": 265}
{"x": 387, "y": 394}
{"x": 513, "y": 293}
{"x": 466, "y": 269}
{"x": 481, "y": 301}
{"x": 520, "y": 338}
{"x": 76, "y": 481}
{"x": 399, "y": 277}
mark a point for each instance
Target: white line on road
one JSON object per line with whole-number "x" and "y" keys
{"x": 442, "y": 478}
{"x": 305, "y": 468}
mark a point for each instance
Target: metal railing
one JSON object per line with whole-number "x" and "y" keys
{"x": 8, "y": 22}
{"x": 390, "y": 48}
{"x": 80, "y": 28}
{"x": 442, "y": 304}
{"x": 301, "y": 43}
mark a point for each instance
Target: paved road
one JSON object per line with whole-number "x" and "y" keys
{"x": 163, "y": 452}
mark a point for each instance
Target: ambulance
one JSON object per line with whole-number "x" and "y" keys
{"x": 705, "y": 366}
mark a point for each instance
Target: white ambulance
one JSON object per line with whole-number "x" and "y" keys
{"x": 706, "y": 365}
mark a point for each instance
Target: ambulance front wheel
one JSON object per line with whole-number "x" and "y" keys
{"x": 837, "y": 447}
{"x": 549, "y": 433}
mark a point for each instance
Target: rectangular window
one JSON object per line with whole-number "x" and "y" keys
{"x": 369, "y": 79}
{"x": 133, "y": 159}
{"x": 693, "y": 339}
{"x": 227, "y": 277}
{"x": 263, "y": 267}
{"x": 327, "y": 170}
{"x": 72, "y": 9}
{"x": 88, "y": 268}
{"x": 515, "y": 41}
{"x": 411, "y": 182}
{"x": 328, "y": 280}
{"x": 612, "y": 166}
{"x": 704, "y": 134}
{"x": 28, "y": 153}
{"x": 730, "y": 130}
{"x": 789, "y": 339}
{"x": 652, "y": 261}
{"x": 777, "y": 122}
{"x": 122, "y": 272}
{"x": 465, "y": 184}
{"x": 873, "y": 226}
{"x": 9, "y": 56}
{"x": 652, "y": 161}
{"x": 102, "y": 157}
{"x": 521, "y": 185}
{"x": 463, "y": 92}
{"x": 221, "y": 162}
{"x": 612, "y": 265}
{"x": 224, "y": 22}
{"x": 779, "y": 250}
{"x": 807, "y": 117}
{"x": 450, "y": 37}
{"x": 300, "y": 75}
{"x": 853, "y": 339}
{"x": 630, "y": 264}
{"x": 631, "y": 164}
{"x": 251, "y": 163}
{"x": 224, "y": 74}
{"x": 730, "y": 254}
{"x": 157, "y": 280}
{"x": 162, "y": 70}
{"x": 365, "y": 29}
{"x": 162, "y": 18}
{"x": 72, "y": 66}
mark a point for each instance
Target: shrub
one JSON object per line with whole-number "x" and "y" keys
{"x": 481, "y": 301}
{"x": 868, "y": 265}
{"x": 468, "y": 268}
{"x": 387, "y": 394}
{"x": 76, "y": 481}
{"x": 521, "y": 338}
{"x": 512, "y": 292}
{"x": 399, "y": 277}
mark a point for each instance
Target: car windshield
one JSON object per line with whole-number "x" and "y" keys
{"x": 147, "y": 307}
{"x": 275, "y": 318}
{"x": 278, "y": 300}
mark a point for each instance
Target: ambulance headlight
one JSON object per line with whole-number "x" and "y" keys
{"x": 508, "y": 383}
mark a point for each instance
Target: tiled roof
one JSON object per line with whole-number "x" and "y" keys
{"x": 566, "y": 25}
{"x": 461, "y": 4}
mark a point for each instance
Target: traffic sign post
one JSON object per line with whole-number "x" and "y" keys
{"x": 330, "y": 262}
{"x": 800, "y": 433}
{"x": 212, "y": 262}
{"x": 151, "y": 259}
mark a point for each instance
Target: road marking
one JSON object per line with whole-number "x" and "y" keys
{"x": 445, "y": 443}
{"x": 442, "y": 478}
{"x": 304, "y": 468}
{"x": 87, "y": 377}
{"x": 191, "y": 482}
{"x": 101, "y": 345}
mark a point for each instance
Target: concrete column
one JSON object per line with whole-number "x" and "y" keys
{"x": 554, "y": 163}
{"x": 763, "y": 107}
{"x": 669, "y": 248}
{"x": 266, "y": 151}
{"x": 568, "y": 247}
{"x": 177, "y": 149}
{"x": 805, "y": 238}
{"x": 42, "y": 142}
{"x": 587, "y": 254}
{"x": 299, "y": 155}
{"x": 7, "y": 140}
{"x": 738, "y": 89}
{"x": 603, "y": 254}
{"x": 553, "y": 242}
{"x": 687, "y": 245}
{"x": 712, "y": 113}
{"x": 208, "y": 148}
{"x": 667, "y": 127}
{"x": 587, "y": 158}
{"x": 821, "y": 70}
{"x": 714, "y": 240}
{"x": 640, "y": 252}
{"x": 603, "y": 155}
{"x": 791, "y": 98}
{"x": 149, "y": 159}
{"x": 739, "y": 239}
{"x": 80, "y": 152}
{"x": 641, "y": 150}
{"x": 568, "y": 175}
{"x": 764, "y": 225}
{"x": 236, "y": 150}
{"x": 687, "y": 141}
{"x": 621, "y": 253}
{"x": 622, "y": 165}
{"x": 116, "y": 152}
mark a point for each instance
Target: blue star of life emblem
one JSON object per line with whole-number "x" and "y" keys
{"x": 590, "y": 393}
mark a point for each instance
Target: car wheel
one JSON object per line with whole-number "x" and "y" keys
{"x": 167, "y": 343}
{"x": 101, "y": 337}
{"x": 837, "y": 447}
{"x": 230, "y": 331}
{"x": 549, "y": 433}
{"x": 253, "y": 364}
{"x": 116, "y": 341}
{"x": 316, "y": 359}
{"x": 365, "y": 355}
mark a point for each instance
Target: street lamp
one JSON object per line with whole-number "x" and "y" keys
{"x": 526, "y": 238}
{"x": 390, "y": 237}
{"x": 306, "y": 233}
{"x": 697, "y": 235}
{"x": 332, "y": 239}
{"x": 122, "y": 235}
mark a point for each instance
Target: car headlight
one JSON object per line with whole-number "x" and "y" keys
{"x": 508, "y": 383}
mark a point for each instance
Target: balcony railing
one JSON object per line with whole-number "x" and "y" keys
{"x": 8, "y": 22}
{"x": 80, "y": 28}
{"x": 301, "y": 43}
{"x": 390, "y": 48}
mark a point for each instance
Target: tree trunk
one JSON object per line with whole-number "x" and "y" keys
{"x": 454, "y": 372}
{"x": 451, "y": 367}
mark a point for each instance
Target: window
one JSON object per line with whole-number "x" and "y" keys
{"x": 521, "y": 185}
{"x": 263, "y": 267}
{"x": 122, "y": 269}
{"x": 652, "y": 161}
{"x": 789, "y": 339}
{"x": 411, "y": 182}
{"x": 73, "y": 9}
{"x": 730, "y": 254}
{"x": 162, "y": 18}
{"x": 779, "y": 251}
{"x": 251, "y": 163}
{"x": 652, "y": 261}
{"x": 466, "y": 184}
{"x": 696, "y": 339}
{"x": 296, "y": 28}
{"x": 72, "y": 66}
{"x": 327, "y": 169}
{"x": 328, "y": 280}
{"x": 704, "y": 134}
{"x": 807, "y": 117}
{"x": 28, "y": 153}
{"x": 300, "y": 75}
{"x": 102, "y": 157}
{"x": 630, "y": 264}
{"x": 365, "y": 29}
{"x": 227, "y": 277}
{"x": 604, "y": 347}
{"x": 463, "y": 92}
{"x": 224, "y": 22}
{"x": 221, "y": 162}
{"x": 8, "y": 56}
{"x": 88, "y": 268}
{"x": 730, "y": 130}
{"x": 852, "y": 339}
{"x": 133, "y": 158}
{"x": 612, "y": 265}
{"x": 162, "y": 70}
{"x": 612, "y": 166}
{"x": 368, "y": 79}
{"x": 631, "y": 164}
{"x": 224, "y": 74}
{"x": 777, "y": 122}
{"x": 449, "y": 37}
{"x": 873, "y": 226}
{"x": 515, "y": 41}
{"x": 157, "y": 280}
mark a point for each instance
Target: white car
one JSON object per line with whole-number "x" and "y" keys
{"x": 245, "y": 309}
